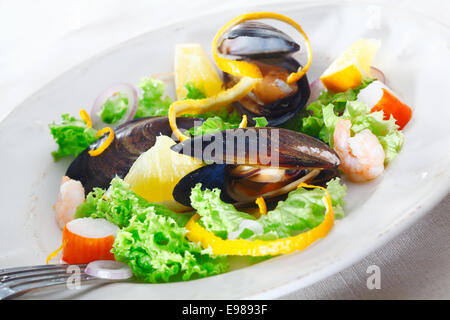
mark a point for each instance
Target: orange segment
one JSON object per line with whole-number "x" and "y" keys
{"x": 342, "y": 80}
{"x": 192, "y": 65}
{"x": 155, "y": 173}
{"x": 347, "y": 71}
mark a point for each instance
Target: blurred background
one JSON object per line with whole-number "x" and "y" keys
{"x": 43, "y": 38}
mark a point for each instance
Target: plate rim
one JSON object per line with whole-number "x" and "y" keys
{"x": 411, "y": 216}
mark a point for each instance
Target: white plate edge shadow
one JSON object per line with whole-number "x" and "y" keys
{"x": 411, "y": 217}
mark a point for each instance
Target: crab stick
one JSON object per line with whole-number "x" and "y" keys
{"x": 380, "y": 98}
{"x": 88, "y": 239}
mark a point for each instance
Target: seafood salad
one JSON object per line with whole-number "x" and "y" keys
{"x": 250, "y": 157}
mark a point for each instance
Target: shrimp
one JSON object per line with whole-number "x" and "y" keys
{"x": 362, "y": 156}
{"x": 71, "y": 195}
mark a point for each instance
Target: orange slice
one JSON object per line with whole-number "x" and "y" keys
{"x": 348, "y": 70}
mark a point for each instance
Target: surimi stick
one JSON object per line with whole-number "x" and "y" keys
{"x": 380, "y": 98}
{"x": 88, "y": 239}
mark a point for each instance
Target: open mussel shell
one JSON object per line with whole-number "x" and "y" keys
{"x": 211, "y": 176}
{"x": 256, "y": 39}
{"x": 271, "y": 50}
{"x": 131, "y": 140}
{"x": 243, "y": 191}
{"x": 263, "y": 147}
{"x": 278, "y": 111}
{"x": 254, "y": 162}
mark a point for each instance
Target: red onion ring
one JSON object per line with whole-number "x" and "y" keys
{"x": 316, "y": 87}
{"x": 378, "y": 74}
{"x": 108, "y": 269}
{"x": 124, "y": 88}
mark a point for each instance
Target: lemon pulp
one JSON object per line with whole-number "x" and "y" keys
{"x": 156, "y": 172}
{"x": 192, "y": 65}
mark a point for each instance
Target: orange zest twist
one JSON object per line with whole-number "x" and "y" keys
{"x": 242, "y": 247}
{"x": 243, "y": 123}
{"x": 55, "y": 253}
{"x": 86, "y": 118}
{"x": 249, "y": 72}
{"x": 222, "y": 99}
{"x": 246, "y": 69}
{"x": 261, "y": 205}
{"x": 105, "y": 144}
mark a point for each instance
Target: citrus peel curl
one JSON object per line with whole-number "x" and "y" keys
{"x": 241, "y": 247}
{"x": 249, "y": 73}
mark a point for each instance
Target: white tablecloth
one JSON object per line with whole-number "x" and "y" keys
{"x": 42, "y": 39}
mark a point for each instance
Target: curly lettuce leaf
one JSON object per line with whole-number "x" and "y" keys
{"x": 193, "y": 92}
{"x": 303, "y": 209}
{"x": 152, "y": 238}
{"x": 325, "y": 112}
{"x": 387, "y": 132}
{"x": 260, "y": 122}
{"x": 211, "y": 125}
{"x": 216, "y": 216}
{"x": 153, "y": 102}
{"x": 72, "y": 136}
{"x": 114, "y": 108}
{"x": 156, "y": 249}
{"x": 217, "y": 123}
{"x": 119, "y": 204}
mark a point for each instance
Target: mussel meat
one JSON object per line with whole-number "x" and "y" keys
{"x": 255, "y": 162}
{"x": 271, "y": 50}
{"x": 131, "y": 140}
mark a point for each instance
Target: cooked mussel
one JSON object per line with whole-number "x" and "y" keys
{"x": 131, "y": 140}
{"x": 255, "y": 162}
{"x": 271, "y": 50}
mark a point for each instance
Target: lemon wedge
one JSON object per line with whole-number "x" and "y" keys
{"x": 192, "y": 65}
{"x": 156, "y": 172}
{"x": 347, "y": 70}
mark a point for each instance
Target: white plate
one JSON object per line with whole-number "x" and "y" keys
{"x": 415, "y": 55}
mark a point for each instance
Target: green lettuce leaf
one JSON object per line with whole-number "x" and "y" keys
{"x": 153, "y": 102}
{"x": 211, "y": 125}
{"x": 152, "y": 238}
{"x": 156, "y": 249}
{"x": 119, "y": 204}
{"x": 303, "y": 209}
{"x": 216, "y": 216}
{"x": 390, "y": 138}
{"x": 114, "y": 108}
{"x": 72, "y": 136}
{"x": 330, "y": 107}
{"x": 260, "y": 122}
{"x": 193, "y": 92}
{"x": 218, "y": 123}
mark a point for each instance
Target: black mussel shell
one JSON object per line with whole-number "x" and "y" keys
{"x": 211, "y": 176}
{"x": 217, "y": 176}
{"x": 265, "y": 147}
{"x": 131, "y": 140}
{"x": 282, "y": 110}
{"x": 256, "y": 39}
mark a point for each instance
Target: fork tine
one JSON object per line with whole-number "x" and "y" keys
{"x": 24, "y": 285}
{"x": 15, "y": 270}
{"x": 38, "y": 277}
{"x": 14, "y": 276}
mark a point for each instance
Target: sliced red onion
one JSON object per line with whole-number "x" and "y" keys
{"x": 124, "y": 88}
{"x": 108, "y": 269}
{"x": 316, "y": 88}
{"x": 378, "y": 74}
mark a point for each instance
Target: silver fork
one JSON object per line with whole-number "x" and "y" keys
{"x": 19, "y": 280}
